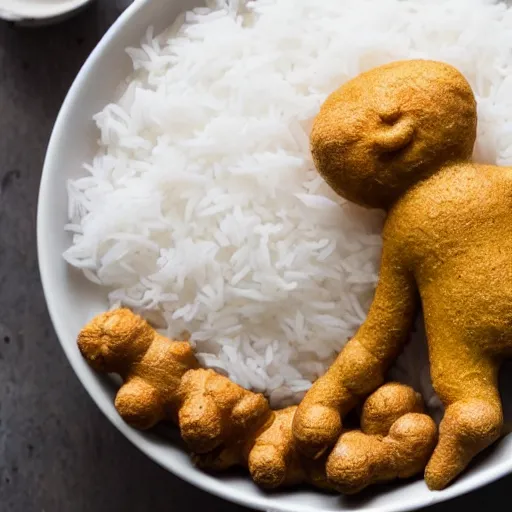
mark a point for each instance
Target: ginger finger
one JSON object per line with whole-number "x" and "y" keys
{"x": 393, "y": 443}
{"x": 139, "y": 404}
{"x": 273, "y": 460}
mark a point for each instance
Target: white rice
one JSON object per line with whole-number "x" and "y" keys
{"x": 202, "y": 209}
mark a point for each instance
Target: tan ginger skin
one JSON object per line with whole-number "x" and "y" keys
{"x": 401, "y": 137}
{"x": 395, "y": 441}
{"x": 163, "y": 381}
{"x": 226, "y": 425}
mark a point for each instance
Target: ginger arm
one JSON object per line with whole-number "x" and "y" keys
{"x": 359, "y": 368}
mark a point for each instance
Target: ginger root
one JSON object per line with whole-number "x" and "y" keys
{"x": 271, "y": 456}
{"x": 395, "y": 441}
{"x": 225, "y": 425}
{"x": 213, "y": 410}
{"x": 386, "y": 405}
{"x": 150, "y": 366}
{"x": 163, "y": 381}
{"x": 400, "y": 137}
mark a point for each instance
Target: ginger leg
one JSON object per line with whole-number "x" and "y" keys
{"x": 473, "y": 417}
{"x": 317, "y": 423}
{"x": 360, "y": 367}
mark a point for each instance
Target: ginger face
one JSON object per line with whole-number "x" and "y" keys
{"x": 381, "y": 133}
{"x": 401, "y": 137}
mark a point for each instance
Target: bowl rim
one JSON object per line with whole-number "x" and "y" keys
{"x": 35, "y": 12}
{"x": 195, "y": 477}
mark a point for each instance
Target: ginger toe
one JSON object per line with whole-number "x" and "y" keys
{"x": 267, "y": 466}
{"x": 467, "y": 428}
{"x": 139, "y": 404}
{"x": 316, "y": 428}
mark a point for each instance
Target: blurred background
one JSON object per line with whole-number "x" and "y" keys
{"x": 57, "y": 452}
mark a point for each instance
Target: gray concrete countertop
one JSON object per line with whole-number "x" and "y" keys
{"x": 57, "y": 452}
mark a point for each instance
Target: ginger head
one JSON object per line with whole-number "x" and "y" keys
{"x": 391, "y": 127}
{"x": 113, "y": 340}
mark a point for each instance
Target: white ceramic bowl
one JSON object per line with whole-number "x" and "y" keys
{"x": 72, "y": 300}
{"x": 39, "y": 12}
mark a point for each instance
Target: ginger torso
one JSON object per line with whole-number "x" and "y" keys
{"x": 455, "y": 235}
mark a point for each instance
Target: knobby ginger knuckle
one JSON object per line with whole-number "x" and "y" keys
{"x": 140, "y": 404}
{"x": 316, "y": 428}
{"x": 113, "y": 340}
{"x": 272, "y": 460}
{"x": 214, "y": 410}
{"x": 400, "y": 137}
{"x": 394, "y": 441}
{"x": 270, "y": 455}
{"x": 386, "y": 405}
{"x": 413, "y": 437}
{"x": 163, "y": 381}
{"x": 150, "y": 365}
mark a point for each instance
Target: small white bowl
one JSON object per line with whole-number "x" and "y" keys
{"x": 39, "y": 12}
{"x": 72, "y": 300}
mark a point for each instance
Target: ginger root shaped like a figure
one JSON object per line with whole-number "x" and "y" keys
{"x": 400, "y": 137}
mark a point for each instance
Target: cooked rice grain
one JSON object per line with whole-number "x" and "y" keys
{"x": 202, "y": 208}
